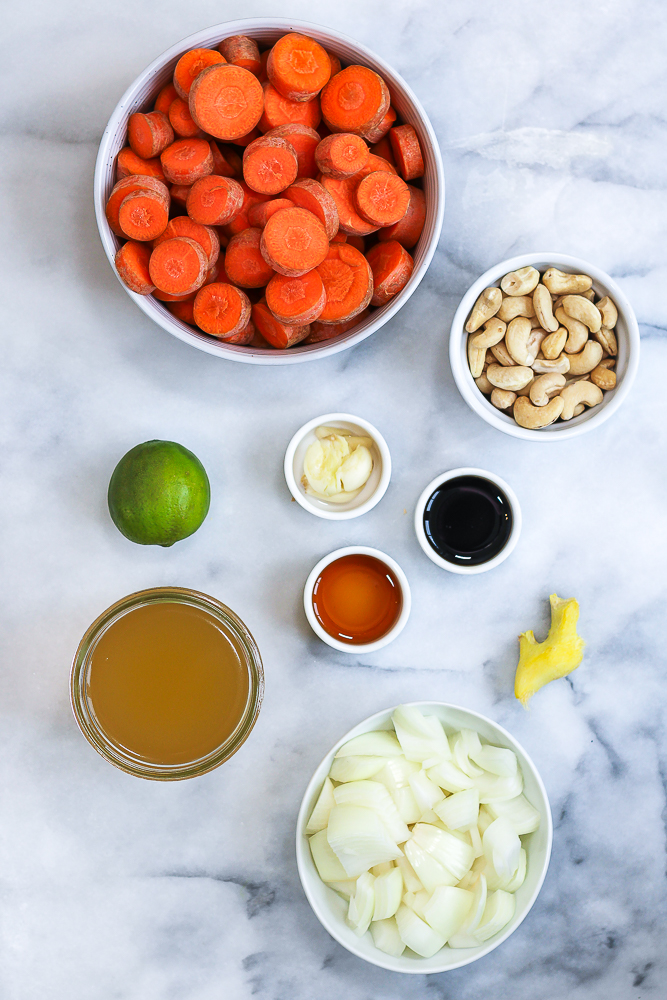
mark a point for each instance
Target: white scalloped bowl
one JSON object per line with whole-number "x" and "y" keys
{"x": 142, "y": 92}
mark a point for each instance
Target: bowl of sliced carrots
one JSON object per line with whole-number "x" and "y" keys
{"x": 269, "y": 191}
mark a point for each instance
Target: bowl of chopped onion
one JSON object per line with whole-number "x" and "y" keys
{"x": 423, "y": 838}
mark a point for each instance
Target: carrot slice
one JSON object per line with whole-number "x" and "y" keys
{"x": 335, "y": 63}
{"x": 186, "y": 160}
{"x": 304, "y": 142}
{"x": 241, "y": 51}
{"x": 129, "y": 164}
{"x": 269, "y": 165}
{"x": 313, "y": 196}
{"x": 298, "y": 67}
{"x": 296, "y": 301}
{"x": 392, "y": 266}
{"x": 178, "y": 266}
{"x": 377, "y": 133}
{"x": 214, "y": 200}
{"x": 241, "y": 221}
{"x": 279, "y": 110}
{"x": 342, "y": 154}
{"x": 245, "y": 140}
{"x": 149, "y": 134}
{"x": 409, "y": 229}
{"x": 262, "y": 76}
{"x": 383, "y": 149}
{"x": 382, "y": 198}
{"x": 294, "y": 241}
{"x": 183, "y": 310}
{"x": 206, "y": 236}
{"x": 243, "y": 337}
{"x": 348, "y": 282}
{"x": 143, "y": 215}
{"x": 244, "y": 263}
{"x": 221, "y": 165}
{"x": 343, "y": 190}
{"x": 276, "y": 333}
{"x": 164, "y": 99}
{"x": 327, "y": 331}
{"x": 190, "y": 65}
{"x": 340, "y": 237}
{"x": 354, "y": 100}
{"x": 226, "y": 101}
{"x": 181, "y": 120}
{"x": 211, "y": 275}
{"x": 179, "y": 194}
{"x": 132, "y": 266}
{"x": 259, "y": 215}
{"x": 407, "y": 152}
{"x": 221, "y": 310}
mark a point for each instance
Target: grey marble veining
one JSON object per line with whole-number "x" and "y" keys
{"x": 551, "y": 120}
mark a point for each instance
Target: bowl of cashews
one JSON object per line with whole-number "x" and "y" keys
{"x": 544, "y": 346}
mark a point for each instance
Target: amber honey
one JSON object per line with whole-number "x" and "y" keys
{"x": 357, "y": 599}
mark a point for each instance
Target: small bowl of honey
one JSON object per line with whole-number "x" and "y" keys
{"x": 357, "y": 599}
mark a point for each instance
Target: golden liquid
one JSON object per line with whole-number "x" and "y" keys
{"x": 168, "y": 683}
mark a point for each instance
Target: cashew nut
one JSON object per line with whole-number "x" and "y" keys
{"x": 560, "y": 283}
{"x": 590, "y": 294}
{"x": 558, "y": 367}
{"x": 502, "y": 355}
{"x": 533, "y": 417}
{"x": 582, "y": 392}
{"x": 516, "y": 341}
{"x": 608, "y": 340}
{"x": 477, "y": 357}
{"x": 509, "y": 378}
{"x": 520, "y": 282}
{"x": 608, "y": 311}
{"x": 584, "y": 310}
{"x": 544, "y": 387}
{"x": 493, "y": 333}
{"x": 586, "y": 360}
{"x": 542, "y": 305}
{"x": 578, "y": 332}
{"x": 487, "y": 305}
{"x": 553, "y": 344}
{"x": 607, "y": 363}
{"x": 603, "y": 377}
{"x": 503, "y": 398}
{"x": 484, "y": 385}
{"x": 516, "y": 305}
{"x": 526, "y": 389}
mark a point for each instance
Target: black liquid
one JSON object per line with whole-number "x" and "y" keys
{"x": 468, "y": 520}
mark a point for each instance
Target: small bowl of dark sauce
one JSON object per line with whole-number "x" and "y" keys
{"x": 468, "y": 520}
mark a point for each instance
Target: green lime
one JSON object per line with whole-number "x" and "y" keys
{"x": 158, "y": 493}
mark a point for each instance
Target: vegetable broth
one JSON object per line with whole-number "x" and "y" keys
{"x": 357, "y": 599}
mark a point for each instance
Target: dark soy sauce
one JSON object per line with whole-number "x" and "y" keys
{"x": 468, "y": 520}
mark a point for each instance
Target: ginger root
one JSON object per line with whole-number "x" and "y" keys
{"x": 560, "y": 653}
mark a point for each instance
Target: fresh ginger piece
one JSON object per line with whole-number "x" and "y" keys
{"x": 560, "y": 653}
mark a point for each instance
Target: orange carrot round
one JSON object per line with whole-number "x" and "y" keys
{"x": 279, "y": 110}
{"x": 343, "y": 191}
{"x": 382, "y": 198}
{"x": 269, "y": 165}
{"x": 340, "y": 237}
{"x": 409, "y": 229}
{"x": 407, "y": 152}
{"x": 211, "y": 275}
{"x": 178, "y": 266}
{"x": 341, "y": 154}
{"x": 244, "y": 263}
{"x": 243, "y": 337}
{"x": 241, "y": 51}
{"x": 392, "y": 266}
{"x": 327, "y": 331}
{"x": 377, "y": 133}
{"x": 259, "y": 215}
{"x": 125, "y": 186}
{"x": 304, "y": 142}
{"x": 298, "y": 67}
{"x": 296, "y": 301}
{"x": 179, "y": 194}
{"x": 186, "y": 160}
{"x": 164, "y": 99}
{"x": 294, "y": 241}
{"x": 226, "y": 162}
{"x": 221, "y": 310}
{"x": 335, "y": 63}
{"x": 132, "y": 266}
{"x": 348, "y": 282}
{"x": 206, "y": 236}
{"x": 149, "y": 134}
{"x": 241, "y": 221}
{"x": 129, "y": 164}
{"x": 383, "y": 149}
{"x": 180, "y": 119}
{"x": 183, "y": 310}
{"x": 226, "y": 101}
{"x": 143, "y": 215}
{"x": 276, "y": 333}
{"x": 190, "y": 65}
{"x": 313, "y": 196}
{"x": 262, "y": 76}
{"x": 214, "y": 200}
{"x": 354, "y": 100}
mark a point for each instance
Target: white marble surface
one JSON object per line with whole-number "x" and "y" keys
{"x": 552, "y": 125}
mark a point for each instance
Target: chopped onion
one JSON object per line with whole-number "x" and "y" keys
{"x": 355, "y": 768}
{"x": 463, "y": 938}
{"x": 484, "y": 819}
{"x": 523, "y": 817}
{"x": 319, "y": 817}
{"x": 378, "y": 744}
{"x": 410, "y": 880}
{"x": 425, "y": 791}
{"x": 494, "y": 881}
{"x": 328, "y": 866}
{"x": 476, "y": 841}
{"x": 396, "y": 773}
{"x": 460, "y": 810}
{"x": 430, "y": 872}
{"x": 454, "y": 855}
{"x": 447, "y": 909}
{"x": 462, "y": 760}
{"x": 494, "y": 786}
{"x": 470, "y": 741}
{"x": 373, "y": 795}
{"x": 346, "y": 887}
{"x": 386, "y": 937}
{"x": 407, "y": 806}
{"x": 450, "y": 777}
{"x": 388, "y": 892}
{"x": 498, "y": 760}
{"x": 382, "y": 869}
{"x": 417, "y": 934}
{"x": 502, "y": 847}
{"x": 360, "y": 912}
{"x": 359, "y": 839}
{"x": 519, "y": 876}
{"x": 421, "y": 736}
{"x": 499, "y": 910}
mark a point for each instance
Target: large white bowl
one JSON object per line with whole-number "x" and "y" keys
{"x": 140, "y": 96}
{"x": 627, "y": 362}
{"x": 330, "y": 909}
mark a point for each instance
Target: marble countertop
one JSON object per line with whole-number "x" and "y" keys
{"x": 551, "y": 120}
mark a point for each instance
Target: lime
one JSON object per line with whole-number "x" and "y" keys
{"x": 158, "y": 493}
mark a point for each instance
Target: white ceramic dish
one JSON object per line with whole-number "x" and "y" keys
{"x": 374, "y": 489}
{"x": 140, "y": 95}
{"x": 461, "y": 567}
{"x": 627, "y": 333}
{"x": 368, "y": 647}
{"x": 330, "y": 908}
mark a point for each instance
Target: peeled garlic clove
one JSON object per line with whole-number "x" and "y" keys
{"x": 334, "y": 498}
{"x": 322, "y": 461}
{"x": 356, "y": 469}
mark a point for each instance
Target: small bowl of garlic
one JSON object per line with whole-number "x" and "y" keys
{"x": 337, "y": 466}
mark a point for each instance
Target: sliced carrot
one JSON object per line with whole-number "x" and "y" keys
{"x": 178, "y": 266}
{"x": 342, "y": 154}
{"x": 221, "y": 165}
{"x": 294, "y": 241}
{"x": 241, "y": 221}
{"x": 279, "y": 110}
{"x": 340, "y": 237}
{"x": 143, "y": 215}
{"x": 335, "y": 63}
{"x": 244, "y": 263}
{"x": 276, "y": 333}
{"x": 241, "y": 51}
{"x": 407, "y": 152}
{"x": 348, "y": 282}
{"x": 298, "y": 67}
{"x": 383, "y": 149}
{"x": 125, "y": 186}
{"x": 226, "y": 101}
{"x": 259, "y": 215}
{"x": 132, "y": 266}
{"x": 221, "y": 310}
{"x": 354, "y": 100}
{"x": 358, "y": 242}
{"x": 262, "y": 76}
{"x": 211, "y": 276}
{"x": 149, "y": 134}
{"x": 206, "y": 236}
{"x": 327, "y": 331}
{"x": 258, "y": 340}
{"x": 304, "y": 142}
{"x": 296, "y": 301}
{"x": 183, "y": 310}
{"x": 186, "y": 160}
{"x": 392, "y": 266}
{"x": 214, "y": 200}
{"x": 409, "y": 229}
{"x": 181, "y": 120}
{"x": 343, "y": 191}
{"x": 243, "y": 337}
{"x": 164, "y": 99}
{"x": 313, "y": 196}
{"x": 129, "y": 164}
{"x": 377, "y": 133}
{"x": 190, "y": 65}
{"x": 245, "y": 140}
{"x": 382, "y": 198}
{"x": 269, "y": 165}
{"x": 179, "y": 194}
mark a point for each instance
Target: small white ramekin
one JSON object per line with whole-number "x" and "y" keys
{"x": 627, "y": 332}
{"x": 510, "y": 545}
{"x": 346, "y": 647}
{"x": 373, "y": 491}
